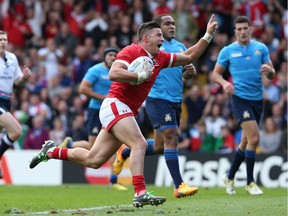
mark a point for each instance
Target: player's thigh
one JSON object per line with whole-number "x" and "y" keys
{"x": 128, "y": 132}
{"x": 8, "y": 122}
{"x": 104, "y": 147}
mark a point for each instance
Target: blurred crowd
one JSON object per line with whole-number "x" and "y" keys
{"x": 60, "y": 39}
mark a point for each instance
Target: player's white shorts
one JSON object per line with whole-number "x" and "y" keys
{"x": 111, "y": 111}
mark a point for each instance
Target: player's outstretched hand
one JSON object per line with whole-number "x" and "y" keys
{"x": 212, "y": 26}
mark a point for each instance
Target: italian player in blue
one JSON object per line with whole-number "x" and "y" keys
{"x": 163, "y": 106}
{"x": 248, "y": 62}
{"x": 95, "y": 85}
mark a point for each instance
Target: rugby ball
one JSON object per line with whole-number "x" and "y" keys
{"x": 137, "y": 65}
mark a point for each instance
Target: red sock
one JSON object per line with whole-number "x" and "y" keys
{"x": 59, "y": 153}
{"x": 139, "y": 184}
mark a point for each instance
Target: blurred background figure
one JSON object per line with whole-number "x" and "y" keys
{"x": 36, "y": 135}
{"x": 270, "y": 137}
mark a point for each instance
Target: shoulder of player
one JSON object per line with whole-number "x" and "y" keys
{"x": 10, "y": 55}
{"x": 129, "y": 53}
{"x": 258, "y": 43}
{"x": 95, "y": 68}
{"x": 178, "y": 42}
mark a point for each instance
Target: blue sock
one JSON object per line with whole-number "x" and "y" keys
{"x": 126, "y": 153}
{"x": 70, "y": 145}
{"x": 238, "y": 159}
{"x": 113, "y": 179}
{"x": 250, "y": 161}
{"x": 150, "y": 148}
{"x": 149, "y": 151}
{"x": 171, "y": 157}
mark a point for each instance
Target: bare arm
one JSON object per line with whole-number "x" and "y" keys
{"x": 119, "y": 73}
{"x": 268, "y": 70}
{"x": 85, "y": 88}
{"x": 217, "y": 77}
{"x": 217, "y": 74}
{"x": 194, "y": 52}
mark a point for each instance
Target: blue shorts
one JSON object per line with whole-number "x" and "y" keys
{"x": 163, "y": 114}
{"x": 246, "y": 110}
{"x": 4, "y": 106}
{"x": 94, "y": 124}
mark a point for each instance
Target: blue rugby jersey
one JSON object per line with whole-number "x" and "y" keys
{"x": 168, "y": 85}
{"x": 244, "y": 63}
{"x": 98, "y": 76}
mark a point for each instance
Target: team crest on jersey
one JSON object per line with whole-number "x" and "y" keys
{"x": 168, "y": 118}
{"x": 246, "y": 114}
{"x": 257, "y": 52}
{"x": 155, "y": 63}
{"x": 247, "y": 58}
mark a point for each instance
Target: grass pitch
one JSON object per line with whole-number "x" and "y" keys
{"x": 100, "y": 200}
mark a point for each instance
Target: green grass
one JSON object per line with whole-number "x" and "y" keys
{"x": 29, "y": 200}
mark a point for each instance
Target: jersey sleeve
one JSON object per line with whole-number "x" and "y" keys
{"x": 18, "y": 72}
{"x": 266, "y": 55}
{"x": 91, "y": 75}
{"x": 223, "y": 58}
{"x": 127, "y": 55}
{"x": 170, "y": 59}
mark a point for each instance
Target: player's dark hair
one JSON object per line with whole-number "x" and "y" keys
{"x": 3, "y": 32}
{"x": 241, "y": 19}
{"x": 110, "y": 49}
{"x": 158, "y": 18}
{"x": 145, "y": 28}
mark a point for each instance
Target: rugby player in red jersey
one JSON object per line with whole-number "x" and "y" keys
{"x": 118, "y": 110}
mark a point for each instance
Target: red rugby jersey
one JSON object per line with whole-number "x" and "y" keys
{"x": 134, "y": 95}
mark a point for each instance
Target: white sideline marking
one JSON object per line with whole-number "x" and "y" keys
{"x": 80, "y": 209}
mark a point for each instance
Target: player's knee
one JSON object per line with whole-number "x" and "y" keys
{"x": 159, "y": 149}
{"x": 142, "y": 145}
{"x": 93, "y": 164}
{"x": 15, "y": 134}
{"x": 255, "y": 139}
{"x": 171, "y": 138}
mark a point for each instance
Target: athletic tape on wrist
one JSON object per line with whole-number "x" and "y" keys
{"x": 208, "y": 37}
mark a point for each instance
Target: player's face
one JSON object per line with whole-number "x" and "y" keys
{"x": 3, "y": 43}
{"x": 155, "y": 40}
{"x": 243, "y": 33}
{"x": 168, "y": 27}
{"x": 110, "y": 58}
